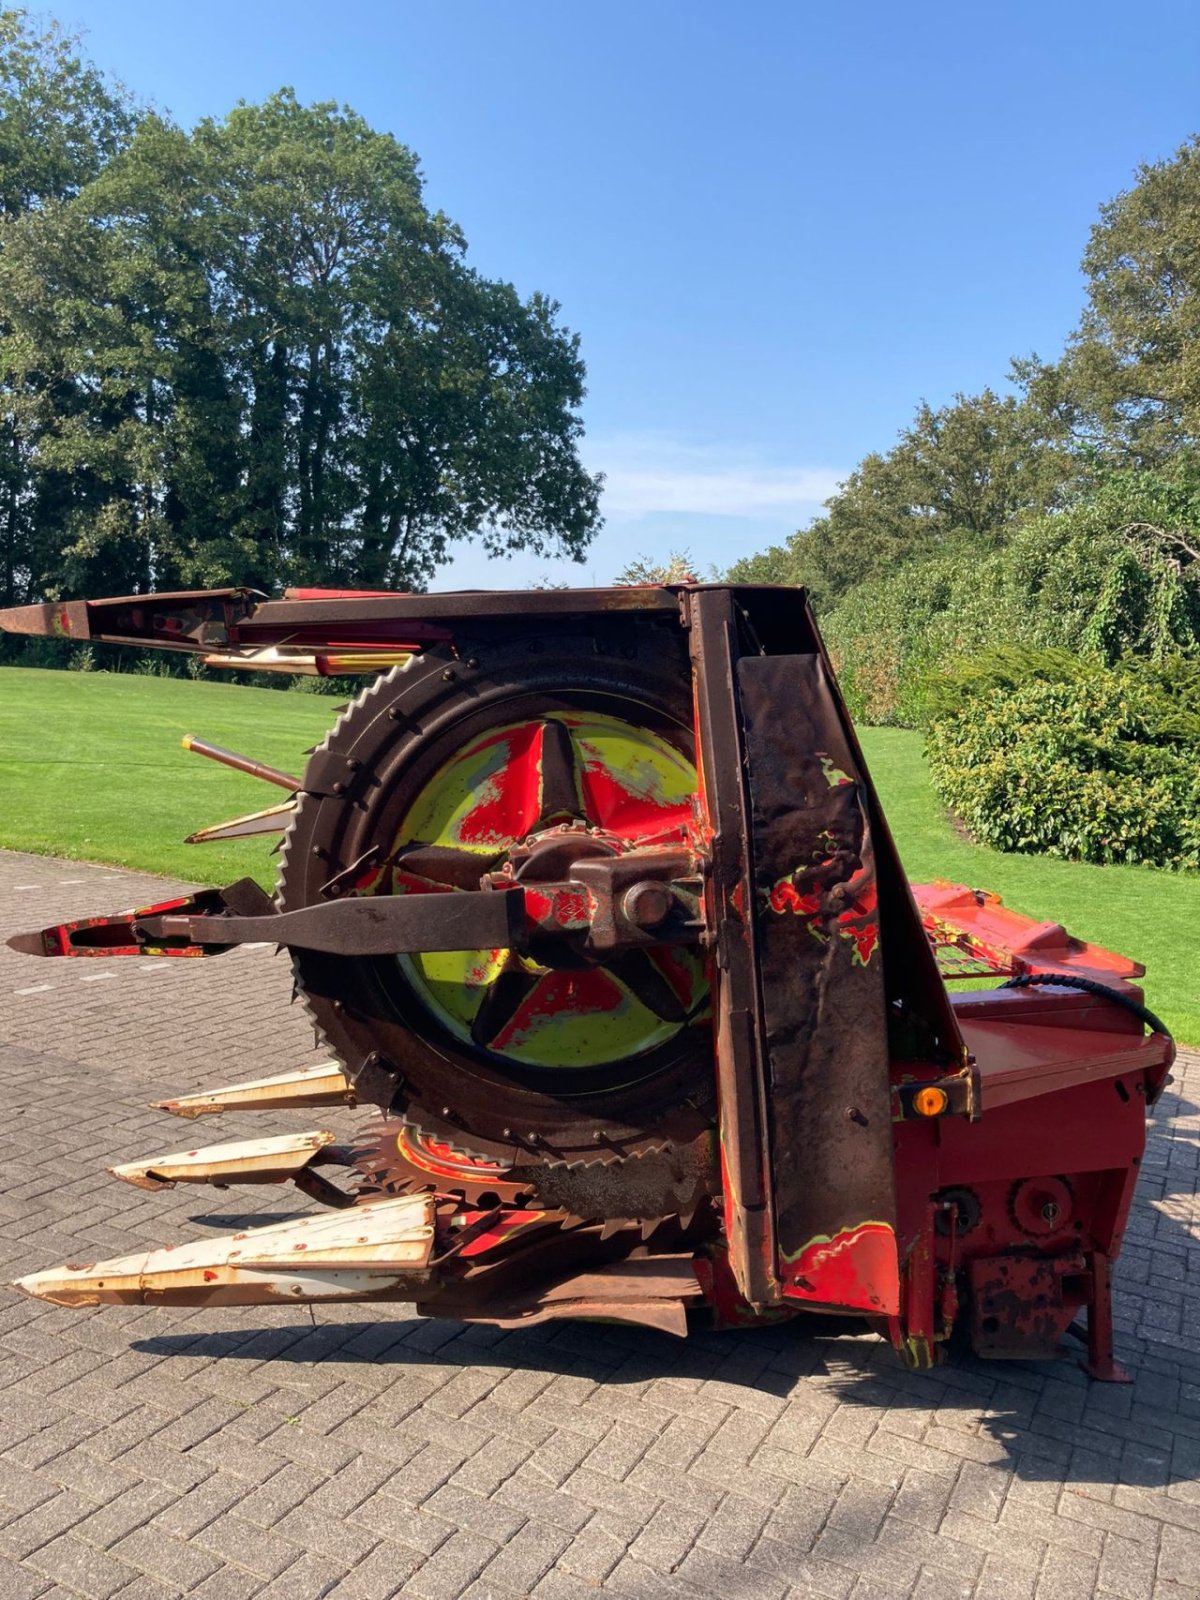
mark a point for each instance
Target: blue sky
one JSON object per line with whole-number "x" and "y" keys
{"x": 776, "y": 227}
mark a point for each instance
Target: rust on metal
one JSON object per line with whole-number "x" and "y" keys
{"x": 193, "y": 619}
{"x": 246, "y": 764}
{"x": 741, "y": 1071}
{"x": 819, "y": 954}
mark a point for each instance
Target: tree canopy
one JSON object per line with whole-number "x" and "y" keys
{"x": 1133, "y": 364}
{"x": 967, "y": 467}
{"x": 250, "y": 352}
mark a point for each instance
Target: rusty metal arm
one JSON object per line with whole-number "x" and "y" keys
{"x": 603, "y": 906}
{"x": 193, "y": 619}
{"x": 240, "y": 763}
{"x": 373, "y": 925}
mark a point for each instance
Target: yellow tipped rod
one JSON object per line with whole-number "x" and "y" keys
{"x": 230, "y": 758}
{"x": 309, "y": 663}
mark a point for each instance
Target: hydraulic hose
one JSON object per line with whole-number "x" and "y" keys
{"x": 1071, "y": 980}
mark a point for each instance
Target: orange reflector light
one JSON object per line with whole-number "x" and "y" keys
{"x": 930, "y": 1102}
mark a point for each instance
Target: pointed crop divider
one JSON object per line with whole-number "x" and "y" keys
{"x": 326, "y": 1084}
{"x": 273, "y": 820}
{"x": 378, "y": 1251}
{"x": 239, "y": 1161}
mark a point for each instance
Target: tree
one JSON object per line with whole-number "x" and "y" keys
{"x": 967, "y": 468}
{"x": 1133, "y": 365}
{"x": 677, "y": 568}
{"x": 252, "y": 354}
{"x": 60, "y": 122}
{"x": 1114, "y": 574}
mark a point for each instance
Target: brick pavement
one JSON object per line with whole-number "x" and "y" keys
{"x": 358, "y": 1453}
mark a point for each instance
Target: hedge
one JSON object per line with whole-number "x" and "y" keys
{"x": 1103, "y": 579}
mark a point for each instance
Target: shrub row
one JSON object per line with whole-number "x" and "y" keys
{"x": 1105, "y": 578}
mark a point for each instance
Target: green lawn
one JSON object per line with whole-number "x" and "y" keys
{"x": 91, "y": 767}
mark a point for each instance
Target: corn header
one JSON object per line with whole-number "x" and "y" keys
{"x": 591, "y": 896}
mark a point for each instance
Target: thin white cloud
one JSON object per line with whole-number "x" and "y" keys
{"x": 648, "y": 473}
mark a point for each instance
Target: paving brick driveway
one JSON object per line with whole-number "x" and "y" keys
{"x": 359, "y": 1453}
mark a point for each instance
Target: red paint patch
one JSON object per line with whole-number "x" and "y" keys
{"x": 511, "y": 795}
{"x": 558, "y": 994}
{"x": 857, "y": 1268}
{"x": 677, "y": 970}
{"x": 508, "y": 1223}
{"x": 856, "y": 922}
{"x": 441, "y": 1159}
{"x": 412, "y": 883}
{"x": 785, "y": 896}
{"x": 630, "y": 812}
{"x": 565, "y": 908}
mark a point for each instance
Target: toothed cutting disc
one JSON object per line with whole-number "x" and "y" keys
{"x": 391, "y": 1156}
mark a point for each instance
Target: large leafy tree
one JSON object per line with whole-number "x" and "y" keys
{"x": 251, "y": 353}
{"x": 60, "y": 122}
{"x": 1133, "y": 366}
{"x": 123, "y": 381}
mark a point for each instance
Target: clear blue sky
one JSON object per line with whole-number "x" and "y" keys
{"x": 775, "y": 226}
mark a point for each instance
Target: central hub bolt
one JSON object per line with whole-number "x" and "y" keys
{"x": 647, "y": 905}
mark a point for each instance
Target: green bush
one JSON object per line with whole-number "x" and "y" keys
{"x": 1046, "y": 753}
{"x": 888, "y": 634}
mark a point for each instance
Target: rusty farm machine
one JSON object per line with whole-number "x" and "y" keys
{"x": 591, "y": 897}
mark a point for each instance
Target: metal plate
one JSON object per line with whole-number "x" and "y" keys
{"x": 823, "y": 999}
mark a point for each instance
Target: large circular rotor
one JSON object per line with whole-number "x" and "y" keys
{"x": 522, "y": 798}
{"x": 470, "y": 771}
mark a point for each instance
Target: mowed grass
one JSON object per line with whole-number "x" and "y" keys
{"x": 91, "y": 768}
